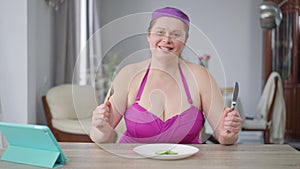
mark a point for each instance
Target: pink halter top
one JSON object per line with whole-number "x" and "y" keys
{"x": 145, "y": 127}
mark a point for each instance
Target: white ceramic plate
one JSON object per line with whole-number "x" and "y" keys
{"x": 150, "y": 151}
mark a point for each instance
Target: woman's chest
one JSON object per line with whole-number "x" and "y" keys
{"x": 165, "y": 99}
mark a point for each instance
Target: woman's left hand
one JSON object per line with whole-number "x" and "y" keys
{"x": 231, "y": 123}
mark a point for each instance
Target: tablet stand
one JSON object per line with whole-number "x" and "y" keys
{"x": 37, "y": 157}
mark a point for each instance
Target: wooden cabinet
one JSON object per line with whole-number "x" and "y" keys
{"x": 281, "y": 53}
{"x": 297, "y": 115}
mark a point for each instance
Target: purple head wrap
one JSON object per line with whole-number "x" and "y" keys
{"x": 171, "y": 12}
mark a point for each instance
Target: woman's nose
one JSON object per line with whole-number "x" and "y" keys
{"x": 166, "y": 39}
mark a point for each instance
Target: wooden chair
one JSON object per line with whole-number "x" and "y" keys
{"x": 262, "y": 124}
{"x": 68, "y": 110}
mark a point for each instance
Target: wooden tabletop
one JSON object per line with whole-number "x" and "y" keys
{"x": 116, "y": 156}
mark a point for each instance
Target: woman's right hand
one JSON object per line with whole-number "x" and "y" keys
{"x": 102, "y": 117}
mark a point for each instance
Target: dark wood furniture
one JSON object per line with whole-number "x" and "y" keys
{"x": 62, "y": 136}
{"x": 281, "y": 53}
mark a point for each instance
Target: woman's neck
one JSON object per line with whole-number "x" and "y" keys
{"x": 166, "y": 65}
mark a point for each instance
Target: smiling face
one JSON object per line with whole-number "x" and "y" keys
{"x": 167, "y": 36}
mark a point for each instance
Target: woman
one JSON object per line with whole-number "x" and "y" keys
{"x": 164, "y": 98}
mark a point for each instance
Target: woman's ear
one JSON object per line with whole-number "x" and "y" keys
{"x": 148, "y": 36}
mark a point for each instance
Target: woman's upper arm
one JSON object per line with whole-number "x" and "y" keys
{"x": 119, "y": 98}
{"x": 211, "y": 99}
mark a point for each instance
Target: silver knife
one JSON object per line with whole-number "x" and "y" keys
{"x": 235, "y": 95}
{"x": 234, "y": 99}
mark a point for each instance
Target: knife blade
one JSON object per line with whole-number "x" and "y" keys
{"x": 235, "y": 95}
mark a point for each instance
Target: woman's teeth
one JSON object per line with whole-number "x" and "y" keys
{"x": 165, "y": 48}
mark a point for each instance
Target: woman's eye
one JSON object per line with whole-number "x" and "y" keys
{"x": 160, "y": 32}
{"x": 175, "y": 35}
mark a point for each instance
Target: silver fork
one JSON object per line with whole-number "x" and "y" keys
{"x": 111, "y": 92}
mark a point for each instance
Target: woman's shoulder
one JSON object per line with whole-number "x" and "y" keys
{"x": 198, "y": 70}
{"x": 125, "y": 76}
{"x": 199, "y": 73}
{"x": 131, "y": 70}
{"x": 202, "y": 76}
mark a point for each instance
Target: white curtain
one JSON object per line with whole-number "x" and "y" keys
{"x": 78, "y": 62}
{"x": 94, "y": 59}
{"x": 88, "y": 66}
